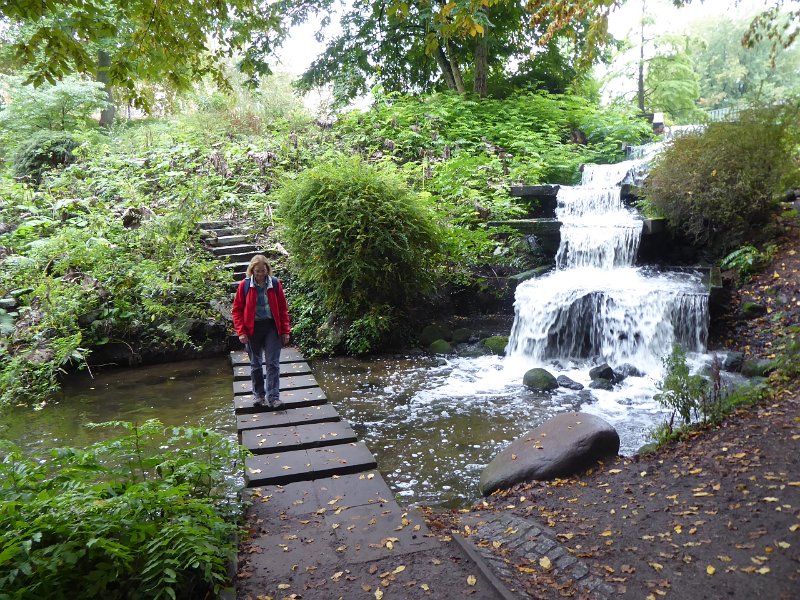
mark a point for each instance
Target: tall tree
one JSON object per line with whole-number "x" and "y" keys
{"x": 128, "y": 41}
{"x": 421, "y": 45}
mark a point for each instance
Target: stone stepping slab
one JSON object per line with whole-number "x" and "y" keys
{"x": 209, "y": 225}
{"x": 323, "y": 413}
{"x": 290, "y": 382}
{"x": 243, "y": 403}
{"x": 235, "y": 255}
{"x": 243, "y": 371}
{"x": 334, "y": 493}
{"x": 234, "y": 249}
{"x": 238, "y": 268}
{"x": 305, "y": 465}
{"x": 227, "y": 240}
{"x": 288, "y": 355}
{"x": 297, "y": 437}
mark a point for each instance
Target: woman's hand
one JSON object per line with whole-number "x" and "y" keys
{"x": 243, "y": 338}
{"x": 285, "y": 339}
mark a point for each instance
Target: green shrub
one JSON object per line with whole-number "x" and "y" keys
{"x": 679, "y": 391}
{"x": 718, "y": 186}
{"x": 361, "y": 238}
{"x": 42, "y": 151}
{"x": 146, "y": 515}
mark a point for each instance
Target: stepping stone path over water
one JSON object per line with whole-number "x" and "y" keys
{"x": 323, "y": 523}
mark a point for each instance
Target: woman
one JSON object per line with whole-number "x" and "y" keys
{"x": 261, "y": 320}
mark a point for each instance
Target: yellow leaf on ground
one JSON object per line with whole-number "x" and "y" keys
{"x": 710, "y": 570}
{"x": 424, "y": 587}
{"x": 378, "y": 594}
{"x": 471, "y": 580}
{"x": 545, "y": 562}
{"x": 606, "y": 533}
{"x": 399, "y": 569}
{"x": 656, "y": 566}
{"x": 763, "y": 571}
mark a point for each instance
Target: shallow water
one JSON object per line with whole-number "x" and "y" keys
{"x": 195, "y": 393}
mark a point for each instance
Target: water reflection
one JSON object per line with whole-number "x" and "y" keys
{"x": 194, "y": 393}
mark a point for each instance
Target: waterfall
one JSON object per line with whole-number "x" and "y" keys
{"x": 597, "y": 306}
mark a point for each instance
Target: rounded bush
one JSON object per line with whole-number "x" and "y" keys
{"x": 359, "y": 235}
{"x": 718, "y": 186}
{"x": 42, "y": 151}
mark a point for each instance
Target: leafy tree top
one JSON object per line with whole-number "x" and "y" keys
{"x": 147, "y": 40}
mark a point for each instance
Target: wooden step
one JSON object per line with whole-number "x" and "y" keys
{"x": 242, "y": 372}
{"x": 228, "y": 240}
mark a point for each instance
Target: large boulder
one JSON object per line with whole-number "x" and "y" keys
{"x": 565, "y": 445}
{"x": 540, "y": 380}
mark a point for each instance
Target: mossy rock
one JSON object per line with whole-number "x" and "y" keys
{"x": 497, "y": 344}
{"x": 752, "y": 310}
{"x": 461, "y": 335}
{"x": 758, "y": 368}
{"x": 540, "y": 380}
{"x": 434, "y": 332}
{"x": 440, "y": 347}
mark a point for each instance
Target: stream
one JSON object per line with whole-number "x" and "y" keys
{"x": 433, "y": 423}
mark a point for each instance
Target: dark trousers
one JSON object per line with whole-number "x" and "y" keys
{"x": 265, "y": 345}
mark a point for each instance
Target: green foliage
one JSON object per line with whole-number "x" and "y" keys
{"x": 67, "y": 105}
{"x": 42, "y": 151}
{"x": 359, "y": 236}
{"x": 170, "y": 44}
{"x": 717, "y": 186}
{"x": 672, "y": 86}
{"x": 748, "y": 259}
{"x": 146, "y": 515}
{"x": 679, "y": 391}
{"x": 731, "y": 73}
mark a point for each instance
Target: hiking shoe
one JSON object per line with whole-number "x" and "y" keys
{"x": 260, "y": 400}
{"x": 275, "y": 403}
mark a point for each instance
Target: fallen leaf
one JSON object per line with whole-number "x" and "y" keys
{"x": 710, "y": 570}
{"x": 545, "y": 563}
{"x": 378, "y": 594}
{"x": 471, "y": 580}
{"x": 399, "y": 569}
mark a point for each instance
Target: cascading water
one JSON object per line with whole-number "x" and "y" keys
{"x": 594, "y": 307}
{"x": 597, "y": 306}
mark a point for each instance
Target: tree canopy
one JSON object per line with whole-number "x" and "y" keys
{"x": 130, "y": 41}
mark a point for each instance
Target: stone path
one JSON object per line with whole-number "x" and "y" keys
{"x": 322, "y": 522}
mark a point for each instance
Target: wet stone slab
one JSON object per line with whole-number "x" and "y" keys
{"x": 291, "y": 382}
{"x": 275, "y": 502}
{"x": 341, "y": 460}
{"x": 271, "y": 439}
{"x": 373, "y": 531}
{"x": 301, "y": 465}
{"x": 243, "y": 403}
{"x": 353, "y": 490}
{"x": 242, "y": 372}
{"x": 288, "y": 355}
{"x": 275, "y": 439}
{"x": 292, "y": 416}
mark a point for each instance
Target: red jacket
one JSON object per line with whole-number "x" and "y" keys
{"x": 244, "y": 308}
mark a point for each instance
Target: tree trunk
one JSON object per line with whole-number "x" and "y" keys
{"x": 641, "y": 62}
{"x": 444, "y": 67}
{"x": 456, "y": 70}
{"x": 481, "y": 66}
{"x": 103, "y": 63}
